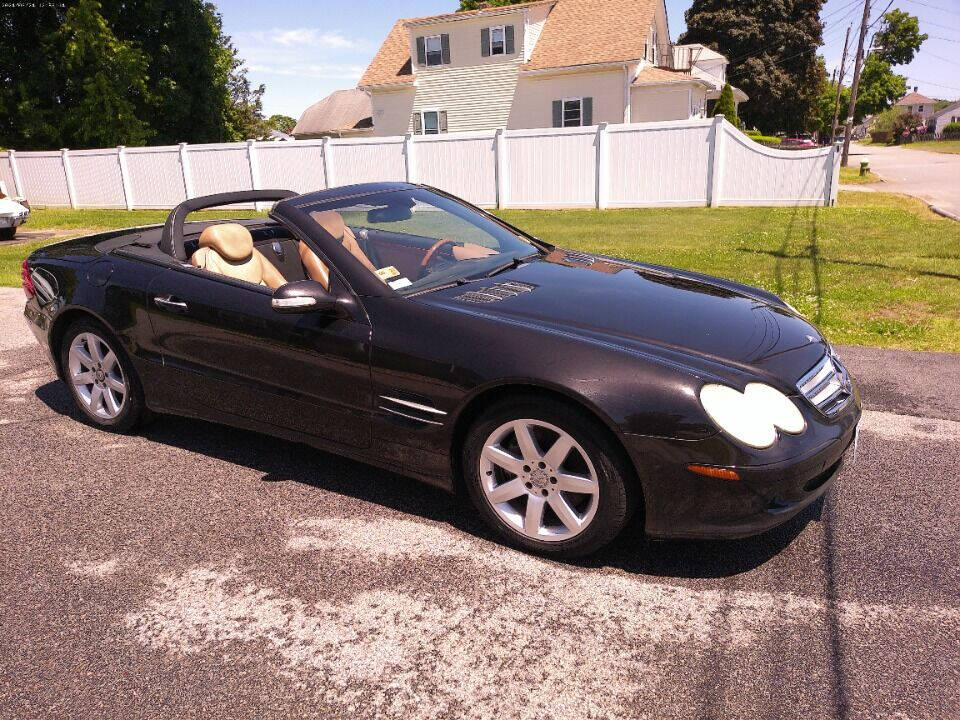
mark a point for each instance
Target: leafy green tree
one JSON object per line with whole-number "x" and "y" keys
{"x": 283, "y": 123}
{"x": 880, "y": 87}
{"x": 477, "y": 4}
{"x": 826, "y": 103}
{"x": 726, "y": 106}
{"x": 184, "y": 79}
{"x": 772, "y": 48}
{"x": 104, "y": 80}
{"x": 899, "y": 38}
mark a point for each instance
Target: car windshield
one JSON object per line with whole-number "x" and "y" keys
{"x": 416, "y": 240}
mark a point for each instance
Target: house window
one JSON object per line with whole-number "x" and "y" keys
{"x": 573, "y": 112}
{"x": 496, "y": 40}
{"x": 430, "y": 122}
{"x": 434, "y": 50}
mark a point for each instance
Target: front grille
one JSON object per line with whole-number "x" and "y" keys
{"x": 827, "y": 386}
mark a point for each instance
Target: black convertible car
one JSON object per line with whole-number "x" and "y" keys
{"x": 398, "y": 325}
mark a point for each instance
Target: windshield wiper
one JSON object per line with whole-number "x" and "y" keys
{"x": 514, "y": 263}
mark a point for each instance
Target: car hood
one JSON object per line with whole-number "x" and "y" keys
{"x": 11, "y": 207}
{"x": 648, "y": 308}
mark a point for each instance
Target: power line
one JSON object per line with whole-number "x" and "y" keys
{"x": 933, "y": 7}
{"x": 941, "y": 59}
{"x": 927, "y": 82}
{"x": 934, "y": 37}
{"x": 944, "y": 27}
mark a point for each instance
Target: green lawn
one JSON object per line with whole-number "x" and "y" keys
{"x": 851, "y": 176}
{"x": 951, "y": 147}
{"x": 878, "y": 269}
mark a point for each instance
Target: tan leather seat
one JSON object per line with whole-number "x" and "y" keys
{"x": 315, "y": 268}
{"x": 332, "y": 222}
{"x": 227, "y": 249}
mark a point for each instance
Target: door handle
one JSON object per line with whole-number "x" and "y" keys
{"x": 167, "y": 302}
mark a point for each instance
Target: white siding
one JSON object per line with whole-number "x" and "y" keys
{"x": 533, "y": 104}
{"x": 536, "y": 18}
{"x": 475, "y": 98}
{"x": 392, "y": 111}
{"x": 654, "y": 103}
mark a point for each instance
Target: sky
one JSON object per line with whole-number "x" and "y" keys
{"x": 302, "y": 51}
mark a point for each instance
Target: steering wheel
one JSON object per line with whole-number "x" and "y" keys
{"x": 432, "y": 254}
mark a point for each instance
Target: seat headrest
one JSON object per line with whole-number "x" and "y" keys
{"x": 231, "y": 241}
{"x": 331, "y": 221}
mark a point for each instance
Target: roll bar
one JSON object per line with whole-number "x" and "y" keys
{"x": 171, "y": 241}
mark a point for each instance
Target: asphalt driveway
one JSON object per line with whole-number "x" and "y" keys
{"x": 934, "y": 177}
{"x": 193, "y": 571}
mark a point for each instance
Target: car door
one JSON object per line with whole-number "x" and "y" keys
{"x": 229, "y": 356}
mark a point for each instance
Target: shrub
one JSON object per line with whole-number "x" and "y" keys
{"x": 952, "y": 128}
{"x": 726, "y": 106}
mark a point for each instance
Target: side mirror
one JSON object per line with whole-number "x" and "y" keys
{"x": 303, "y": 296}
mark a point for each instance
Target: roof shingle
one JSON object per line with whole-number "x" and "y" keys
{"x": 391, "y": 64}
{"x": 585, "y": 32}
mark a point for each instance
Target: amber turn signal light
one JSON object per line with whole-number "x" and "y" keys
{"x": 714, "y": 472}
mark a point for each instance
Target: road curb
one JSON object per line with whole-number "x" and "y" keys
{"x": 945, "y": 213}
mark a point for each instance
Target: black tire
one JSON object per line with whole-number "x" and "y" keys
{"x": 133, "y": 410}
{"x": 618, "y": 491}
{"x": 7, "y": 233}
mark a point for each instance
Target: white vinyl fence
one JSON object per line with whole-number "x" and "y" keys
{"x": 688, "y": 162}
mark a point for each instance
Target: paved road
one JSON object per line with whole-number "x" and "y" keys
{"x": 934, "y": 177}
{"x": 191, "y": 571}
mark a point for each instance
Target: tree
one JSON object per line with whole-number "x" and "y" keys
{"x": 477, "y": 4}
{"x": 880, "y": 87}
{"x": 898, "y": 38}
{"x": 104, "y": 81}
{"x": 726, "y": 106}
{"x": 283, "y": 123}
{"x": 826, "y": 103}
{"x": 126, "y": 72}
{"x": 772, "y": 48}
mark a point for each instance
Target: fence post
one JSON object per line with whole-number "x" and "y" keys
{"x": 125, "y": 177}
{"x": 833, "y": 176}
{"x": 603, "y": 169}
{"x": 716, "y": 161}
{"x": 410, "y": 160}
{"x": 500, "y": 167}
{"x": 68, "y": 174}
{"x": 17, "y": 182}
{"x": 254, "y": 164}
{"x": 185, "y": 170}
{"x": 327, "y": 165}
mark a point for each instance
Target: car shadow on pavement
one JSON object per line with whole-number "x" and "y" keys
{"x": 283, "y": 461}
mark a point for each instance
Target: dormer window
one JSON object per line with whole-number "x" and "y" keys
{"x": 496, "y": 40}
{"x": 434, "y": 50}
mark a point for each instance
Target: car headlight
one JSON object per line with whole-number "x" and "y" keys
{"x": 754, "y": 415}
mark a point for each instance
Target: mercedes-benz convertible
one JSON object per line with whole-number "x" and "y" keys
{"x": 400, "y": 326}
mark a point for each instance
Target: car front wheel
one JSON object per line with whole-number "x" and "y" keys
{"x": 547, "y": 478}
{"x": 101, "y": 377}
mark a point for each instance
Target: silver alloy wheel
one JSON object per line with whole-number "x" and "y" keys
{"x": 548, "y": 495}
{"x": 97, "y": 376}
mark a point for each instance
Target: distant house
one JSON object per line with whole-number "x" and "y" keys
{"x": 548, "y": 63}
{"x": 917, "y": 104}
{"x": 343, "y": 113}
{"x": 943, "y": 117}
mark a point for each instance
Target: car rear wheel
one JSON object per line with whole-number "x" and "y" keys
{"x": 547, "y": 478}
{"x": 7, "y": 233}
{"x": 102, "y": 380}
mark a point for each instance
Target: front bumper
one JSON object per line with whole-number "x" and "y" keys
{"x": 8, "y": 221}
{"x": 681, "y": 504}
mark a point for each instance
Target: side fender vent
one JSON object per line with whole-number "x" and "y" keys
{"x": 578, "y": 257}
{"x": 496, "y": 292}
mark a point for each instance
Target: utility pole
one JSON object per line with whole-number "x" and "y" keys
{"x": 857, "y": 67}
{"x": 836, "y": 103}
